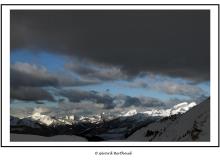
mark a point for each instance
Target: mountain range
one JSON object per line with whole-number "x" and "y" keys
{"x": 147, "y": 125}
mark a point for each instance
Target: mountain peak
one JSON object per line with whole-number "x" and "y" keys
{"x": 44, "y": 119}
{"x": 130, "y": 113}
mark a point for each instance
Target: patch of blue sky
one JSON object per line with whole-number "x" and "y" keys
{"x": 52, "y": 62}
{"x": 205, "y": 86}
{"x": 152, "y": 78}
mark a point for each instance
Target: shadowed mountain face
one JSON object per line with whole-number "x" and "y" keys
{"x": 193, "y": 125}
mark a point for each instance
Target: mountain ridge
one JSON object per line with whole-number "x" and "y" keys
{"x": 193, "y": 125}
{"x": 69, "y": 120}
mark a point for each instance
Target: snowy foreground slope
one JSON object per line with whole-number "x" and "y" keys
{"x": 194, "y": 125}
{"x": 26, "y": 137}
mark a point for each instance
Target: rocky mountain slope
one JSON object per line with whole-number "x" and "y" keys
{"x": 193, "y": 125}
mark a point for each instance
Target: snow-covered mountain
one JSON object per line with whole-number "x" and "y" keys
{"x": 43, "y": 119}
{"x": 130, "y": 113}
{"x": 47, "y": 120}
{"x": 177, "y": 109}
{"x": 193, "y": 125}
{"x": 91, "y": 119}
{"x": 100, "y": 127}
{"x": 182, "y": 108}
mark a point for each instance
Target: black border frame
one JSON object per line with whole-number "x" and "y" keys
{"x": 113, "y": 5}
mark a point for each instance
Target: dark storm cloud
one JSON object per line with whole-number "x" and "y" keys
{"x": 98, "y": 72}
{"x": 30, "y": 94}
{"x": 175, "y": 43}
{"x": 131, "y": 101}
{"x": 78, "y": 96}
{"x": 25, "y": 74}
{"x": 109, "y": 101}
{"x": 138, "y": 101}
{"x": 152, "y": 102}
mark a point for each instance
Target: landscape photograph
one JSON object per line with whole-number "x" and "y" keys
{"x": 109, "y": 75}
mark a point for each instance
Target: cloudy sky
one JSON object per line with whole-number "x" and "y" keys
{"x": 90, "y": 61}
